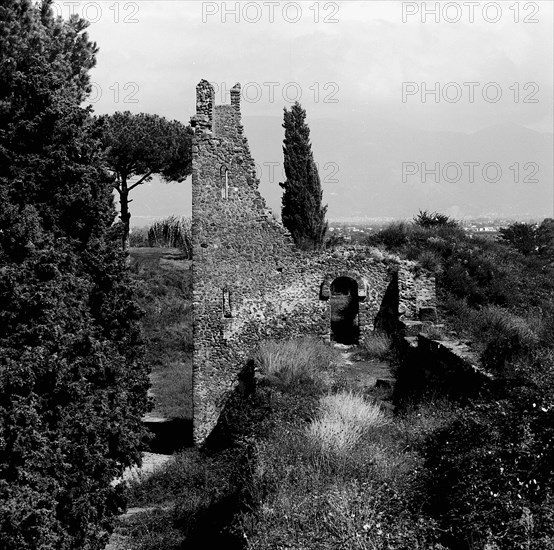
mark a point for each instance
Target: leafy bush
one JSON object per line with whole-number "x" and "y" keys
{"x": 522, "y": 236}
{"x": 138, "y": 237}
{"x": 474, "y": 271}
{"x": 426, "y": 219}
{"x": 430, "y": 259}
{"x": 489, "y": 477}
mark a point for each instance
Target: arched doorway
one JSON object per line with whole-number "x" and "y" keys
{"x": 344, "y": 311}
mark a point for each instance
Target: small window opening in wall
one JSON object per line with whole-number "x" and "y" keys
{"x": 227, "y": 313}
{"x": 224, "y": 177}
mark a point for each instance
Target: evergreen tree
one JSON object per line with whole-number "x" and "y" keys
{"x": 72, "y": 382}
{"x": 522, "y": 236}
{"x": 302, "y": 213}
{"x": 139, "y": 146}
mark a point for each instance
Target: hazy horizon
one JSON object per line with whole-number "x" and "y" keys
{"x": 409, "y": 108}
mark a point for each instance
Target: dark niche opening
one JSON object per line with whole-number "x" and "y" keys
{"x": 344, "y": 311}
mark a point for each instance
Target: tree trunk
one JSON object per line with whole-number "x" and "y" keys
{"x": 125, "y": 215}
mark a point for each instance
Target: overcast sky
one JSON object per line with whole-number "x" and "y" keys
{"x": 385, "y": 85}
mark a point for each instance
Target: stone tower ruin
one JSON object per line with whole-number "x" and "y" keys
{"x": 250, "y": 283}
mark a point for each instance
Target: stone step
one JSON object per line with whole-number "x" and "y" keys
{"x": 153, "y": 418}
{"x": 150, "y": 463}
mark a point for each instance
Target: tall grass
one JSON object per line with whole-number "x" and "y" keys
{"x": 376, "y": 345}
{"x": 342, "y": 420}
{"x": 286, "y": 363}
{"x": 174, "y": 232}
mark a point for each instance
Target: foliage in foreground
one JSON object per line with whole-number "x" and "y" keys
{"x": 273, "y": 486}
{"x": 72, "y": 384}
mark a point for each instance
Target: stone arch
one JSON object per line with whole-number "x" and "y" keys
{"x": 325, "y": 289}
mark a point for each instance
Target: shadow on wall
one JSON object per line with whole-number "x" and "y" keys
{"x": 386, "y": 319}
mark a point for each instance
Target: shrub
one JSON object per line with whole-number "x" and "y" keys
{"x": 138, "y": 237}
{"x": 430, "y": 260}
{"x": 488, "y": 473}
{"x": 426, "y": 219}
{"x": 393, "y": 236}
{"x": 505, "y": 335}
{"x": 522, "y": 236}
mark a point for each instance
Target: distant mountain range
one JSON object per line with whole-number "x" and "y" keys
{"x": 363, "y": 162}
{"x": 370, "y": 158}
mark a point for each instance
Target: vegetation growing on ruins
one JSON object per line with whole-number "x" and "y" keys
{"x": 278, "y": 475}
{"x": 488, "y": 472}
{"x": 72, "y": 382}
{"x": 307, "y": 462}
{"x": 302, "y": 212}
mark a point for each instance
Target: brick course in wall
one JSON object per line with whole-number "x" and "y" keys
{"x": 250, "y": 283}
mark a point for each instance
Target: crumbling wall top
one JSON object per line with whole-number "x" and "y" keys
{"x": 205, "y": 104}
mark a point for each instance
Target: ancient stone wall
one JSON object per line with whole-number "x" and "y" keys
{"x": 250, "y": 283}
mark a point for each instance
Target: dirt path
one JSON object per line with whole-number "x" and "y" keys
{"x": 373, "y": 378}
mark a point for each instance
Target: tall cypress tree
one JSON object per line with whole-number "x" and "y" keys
{"x": 302, "y": 212}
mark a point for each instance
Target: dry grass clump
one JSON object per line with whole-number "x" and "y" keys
{"x": 335, "y": 435}
{"x": 173, "y": 231}
{"x": 289, "y": 362}
{"x": 343, "y": 418}
{"x": 375, "y": 346}
{"x": 353, "y": 408}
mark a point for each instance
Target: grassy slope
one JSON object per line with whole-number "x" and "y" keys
{"x": 165, "y": 295}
